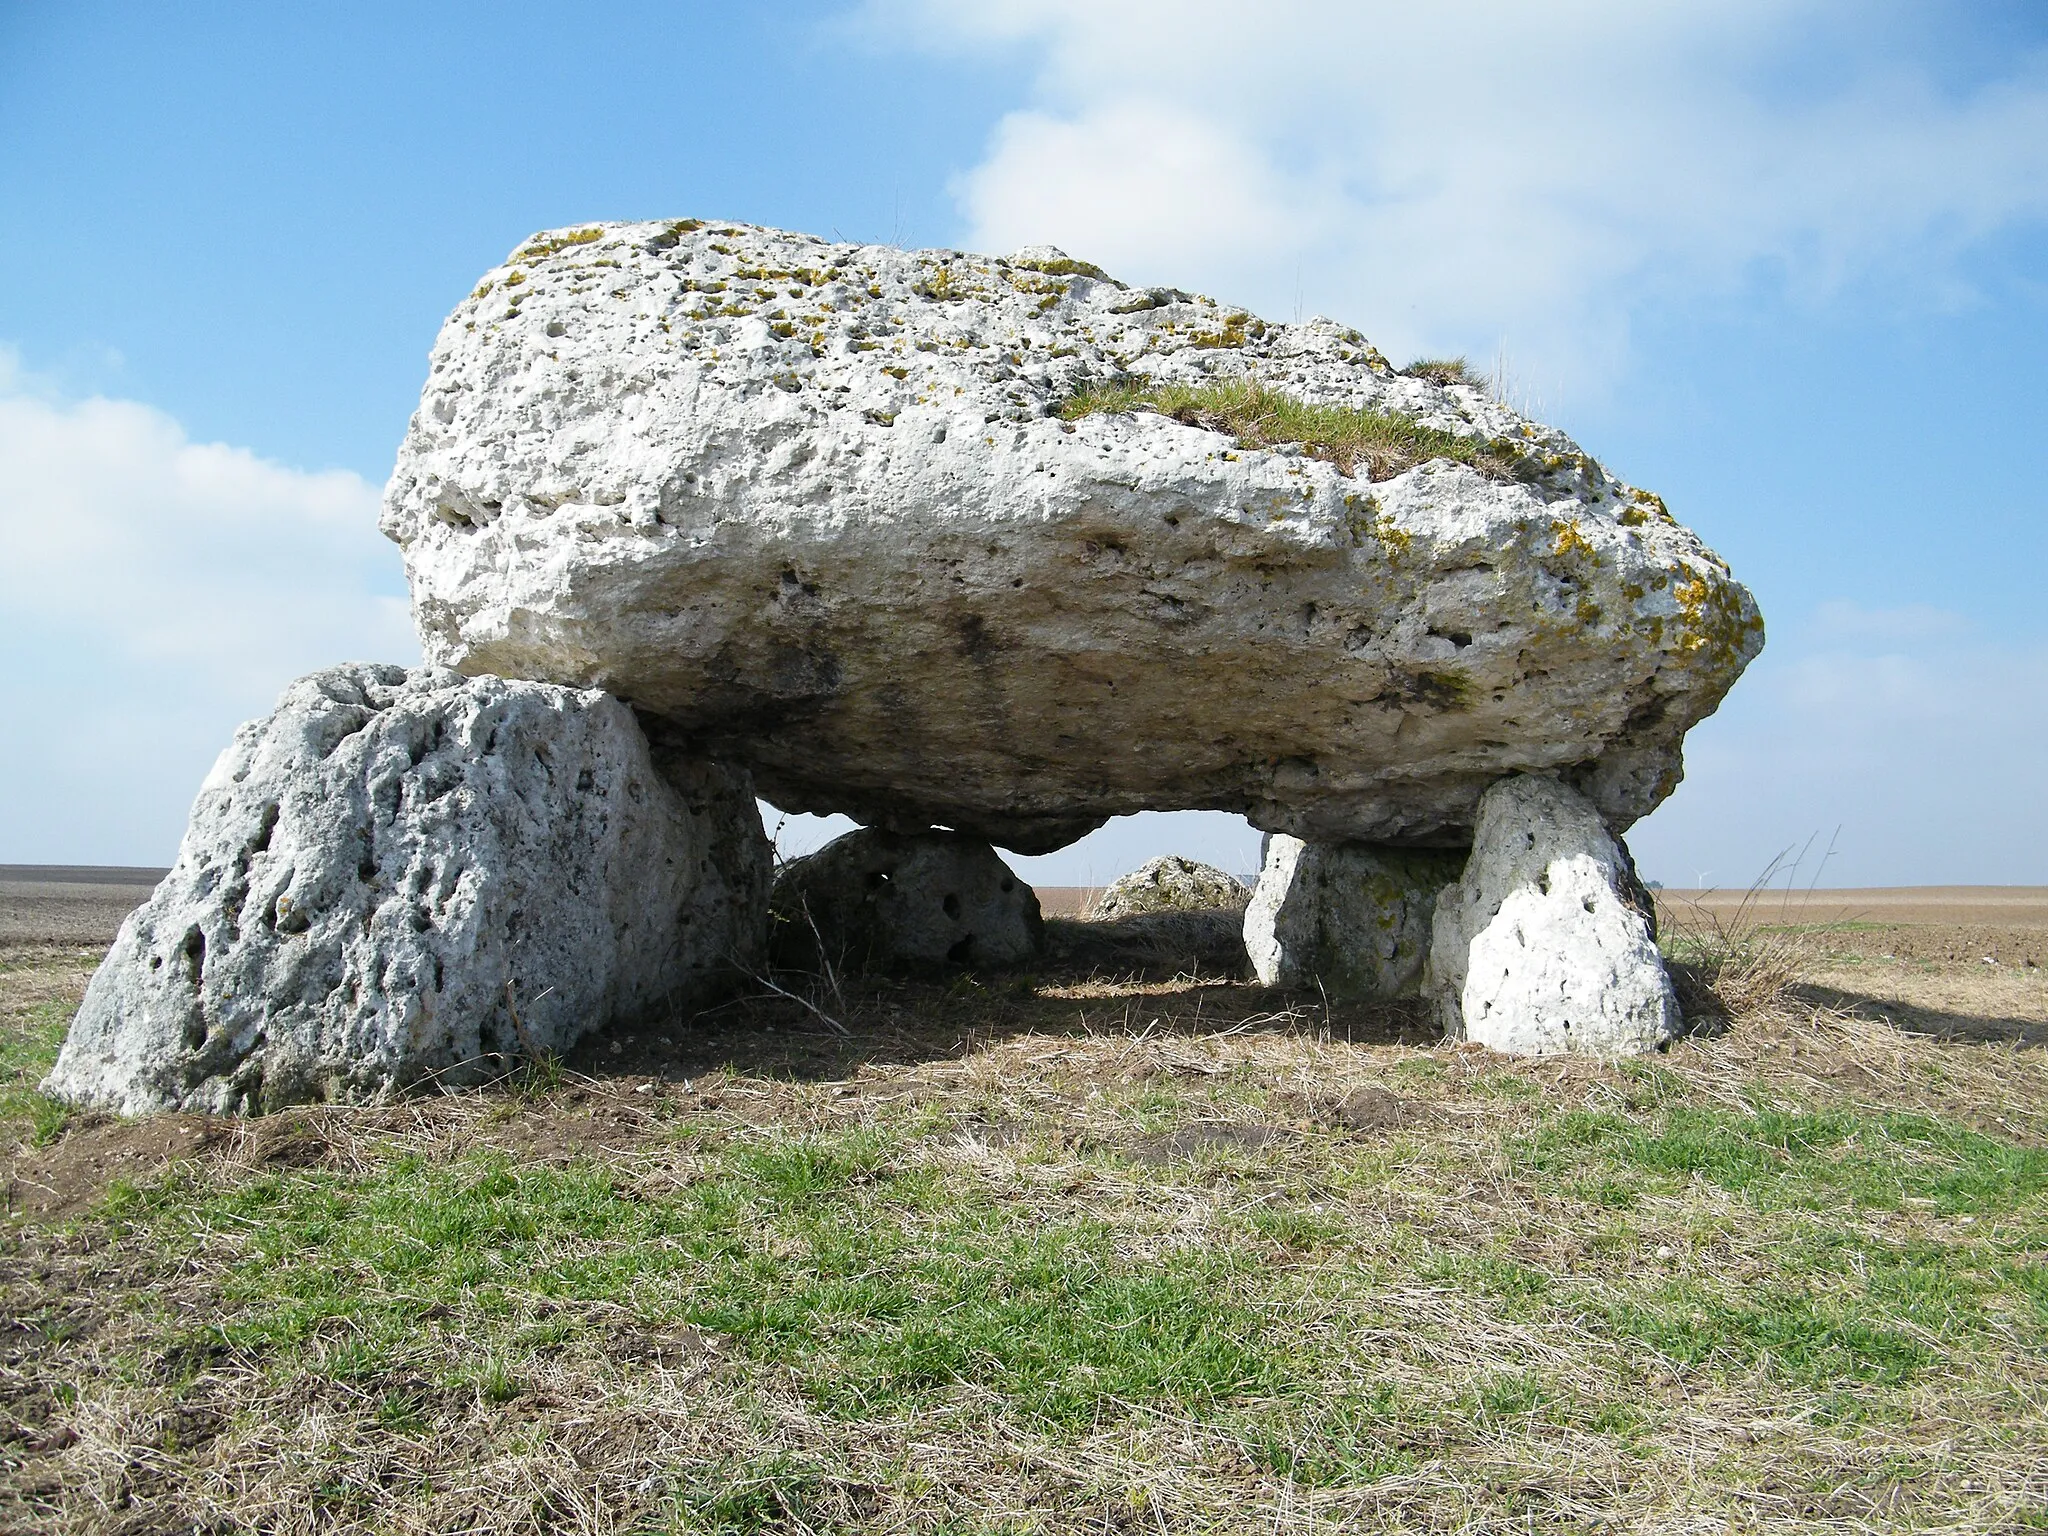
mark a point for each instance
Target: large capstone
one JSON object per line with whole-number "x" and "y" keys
{"x": 1350, "y": 919}
{"x": 400, "y": 876}
{"x": 884, "y": 901}
{"x": 815, "y": 507}
{"x": 1543, "y": 944}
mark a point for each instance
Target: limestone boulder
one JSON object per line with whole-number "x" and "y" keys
{"x": 1170, "y": 883}
{"x": 1352, "y": 919}
{"x": 889, "y": 901}
{"x": 1541, "y": 946}
{"x": 818, "y": 508}
{"x": 408, "y": 875}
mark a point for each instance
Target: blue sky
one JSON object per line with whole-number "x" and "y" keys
{"x": 1785, "y": 263}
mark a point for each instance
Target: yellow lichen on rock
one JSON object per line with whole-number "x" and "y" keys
{"x": 1572, "y": 542}
{"x": 1717, "y": 619}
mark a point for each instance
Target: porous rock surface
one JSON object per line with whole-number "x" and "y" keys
{"x": 813, "y": 505}
{"x": 382, "y": 872}
{"x": 1541, "y": 946}
{"x": 1170, "y": 883}
{"x": 1353, "y": 919}
{"x": 878, "y": 900}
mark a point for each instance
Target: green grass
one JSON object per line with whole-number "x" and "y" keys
{"x": 1445, "y": 370}
{"x": 1380, "y": 443}
{"x": 825, "y": 1314}
{"x": 885, "y": 1284}
{"x": 1346, "y": 1439}
{"x": 1808, "y": 1160}
{"x": 743, "y": 1500}
{"x": 27, "y": 1052}
{"x": 1792, "y": 1335}
{"x": 874, "y": 1285}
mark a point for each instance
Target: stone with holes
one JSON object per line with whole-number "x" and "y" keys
{"x": 1349, "y": 919}
{"x": 1170, "y": 884}
{"x": 402, "y": 875}
{"x": 876, "y": 900}
{"x": 814, "y": 505}
{"x": 1542, "y": 945}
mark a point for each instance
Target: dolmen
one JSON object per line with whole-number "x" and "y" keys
{"x": 983, "y": 549}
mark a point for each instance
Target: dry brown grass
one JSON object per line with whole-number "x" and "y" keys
{"x": 1443, "y": 1275}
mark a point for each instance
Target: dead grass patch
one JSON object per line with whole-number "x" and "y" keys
{"x": 1043, "y": 1254}
{"x": 1378, "y": 444}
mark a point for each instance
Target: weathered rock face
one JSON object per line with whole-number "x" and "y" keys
{"x": 814, "y": 506}
{"x": 878, "y": 900}
{"x": 1349, "y": 917}
{"x": 377, "y": 874}
{"x": 1170, "y": 883}
{"x": 1539, "y": 947}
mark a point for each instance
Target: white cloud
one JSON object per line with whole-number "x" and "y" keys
{"x": 1451, "y": 174}
{"x": 154, "y": 593}
{"x": 1909, "y": 731}
{"x": 1467, "y": 175}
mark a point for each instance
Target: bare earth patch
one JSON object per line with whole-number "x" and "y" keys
{"x": 46, "y": 905}
{"x": 1139, "y": 1252}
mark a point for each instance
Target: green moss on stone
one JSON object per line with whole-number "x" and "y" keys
{"x": 1381, "y": 443}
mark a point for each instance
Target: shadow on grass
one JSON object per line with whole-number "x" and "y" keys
{"x": 1713, "y": 996}
{"x": 1168, "y": 973}
{"x": 1937, "y": 1024}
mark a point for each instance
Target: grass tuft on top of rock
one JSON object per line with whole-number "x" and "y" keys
{"x": 1446, "y": 370}
{"x": 1381, "y": 444}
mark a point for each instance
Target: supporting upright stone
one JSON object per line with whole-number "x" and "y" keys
{"x": 876, "y": 900}
{"x": 398, "y": 876}
{"x": 1352, "y": 918}
{"x": 1542, "y": 946}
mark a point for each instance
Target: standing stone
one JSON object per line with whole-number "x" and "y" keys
{"x": 1541, "y": 947}
{"x": 398, "y": 876}
{"x": 1350, "y": 917}
{"x": 875, "y": 900}
{"x": 1170, "y": 883}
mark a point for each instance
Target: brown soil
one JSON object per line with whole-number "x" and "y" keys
{"x": 1995, "y": 906}
{"x": 50, "y": 904}
{"x": 1967, "y": 944}
{"x": 66, "y": 1177}
{"x": 1067, "y": 900}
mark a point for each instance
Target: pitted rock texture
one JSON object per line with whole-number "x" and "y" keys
{"x": 1351, "y": 919}
{"x": 1170, "y": 883}
{"x": 891, "y": 901}
{"x": 382, "y": 872}
{"x": 813, "y": 504}
{"x": 1539, "y": 947}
